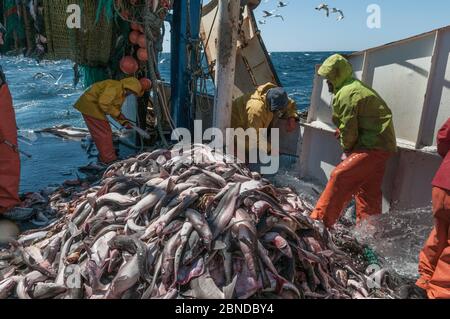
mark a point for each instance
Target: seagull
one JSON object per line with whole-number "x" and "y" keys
{"x": 325, "y": 7}
{"x": 341, "y": 14}
{"x": 59, "y": 79}
{"x": 279, "y": 16}
{"x": 262, "y": 21}
{"x": 282, "y": 4}
{"x": 268, "y": 14}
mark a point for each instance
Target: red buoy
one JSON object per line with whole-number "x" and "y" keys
{"x": 142, "y": 41}
{"x": 146, "y": 84}
{"x": 136, "y": 27}
{"x": 142, "y": 54}
{"x": 134, "y": 37}
{"x": 129, "y": 65}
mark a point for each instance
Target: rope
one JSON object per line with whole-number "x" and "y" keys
{"x": 210, "y": 32}
{"x": 153, "y": 15}
{"x": 205, "y": 75}
{"x": 152, "y": 71}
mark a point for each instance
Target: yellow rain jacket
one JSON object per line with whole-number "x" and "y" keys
{"x": 252, "y": 111}
{"x": 107, "y": 97}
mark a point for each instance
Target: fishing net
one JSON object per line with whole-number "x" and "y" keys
{"x": 91, "y": 45}
{"x": 93, "y": 75}
{"x": 133, "y": 11}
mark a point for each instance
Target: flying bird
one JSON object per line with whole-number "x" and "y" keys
{"x": 325, "y": 7}
{"x": 282, "y": 4}
{"x": 279, "y": 16}
{"x": 340, "y": 12}
{"x": 262, "y": 21}
{"x": 268, "y": 14}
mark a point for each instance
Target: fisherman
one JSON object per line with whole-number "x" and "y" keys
{"x": 366, "y": 132}
{"x": 102, "y": 99}
{"x": 9, "y": 156}
{"x": 9, "y": 167}
{"x": 434, "y": 260}
{"x": 257, "y": 110}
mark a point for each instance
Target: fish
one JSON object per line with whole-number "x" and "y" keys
{"x": 169, "y": 252}
{"x": 125, "y": 279}
{"x": 201, "y": 226}
{"x": 174, "y": 224}
{"x": 115, "y": 199}
{"x": 185, "y": 234}
{"x": 224, "y": 211}
{"x": 47, "y": 290}
{"x": 280, "y": 243}
{"x": 7, "y": 286}
{"x": 147, "y": 203}
{"x": 134, "y": 246}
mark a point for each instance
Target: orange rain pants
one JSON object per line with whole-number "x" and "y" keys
{"x": 434, "y": 260}
{"x": 103, "y": 138}
{"x": 360, "y": 175}
{"x": 9, "y": 158}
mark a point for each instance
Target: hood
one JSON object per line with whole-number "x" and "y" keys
{"x": 262, "y": 90}
{"x": 337, "y": 70}
{"x": 133, "y": 85}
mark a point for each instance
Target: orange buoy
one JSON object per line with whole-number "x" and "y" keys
{"x": 129, "y": 65}
{"x": 134, "y": 26}
{"x": 142, "y": 41}
{"x": 146, "y": 84}
{"x": 142, "y": 54}
{"x": 134, "y": 37}
{"x": 137, "y": 27}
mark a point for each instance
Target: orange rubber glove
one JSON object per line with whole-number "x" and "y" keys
{"x": 124, "y": 121}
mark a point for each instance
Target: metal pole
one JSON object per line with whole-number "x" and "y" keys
{"x": 229, "y": 13}
{"x": 179, "y": 80}
{"x": 185, "y": 38}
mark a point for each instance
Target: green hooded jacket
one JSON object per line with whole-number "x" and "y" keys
{"x": 362, "y": 116}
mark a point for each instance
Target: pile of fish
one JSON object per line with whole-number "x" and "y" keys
{"x": 174, "y": 224}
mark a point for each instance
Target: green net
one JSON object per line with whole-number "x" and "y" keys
{"x": 370, "y": 256}
{"x": 14, "y": 26}
{"x": 106, "y": 6}
{"x": 93, "y": 75}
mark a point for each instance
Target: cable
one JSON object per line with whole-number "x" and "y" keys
{"x": 151, "y": 69}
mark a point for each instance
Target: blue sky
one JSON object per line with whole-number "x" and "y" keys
{"x": 306, "y": 29}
